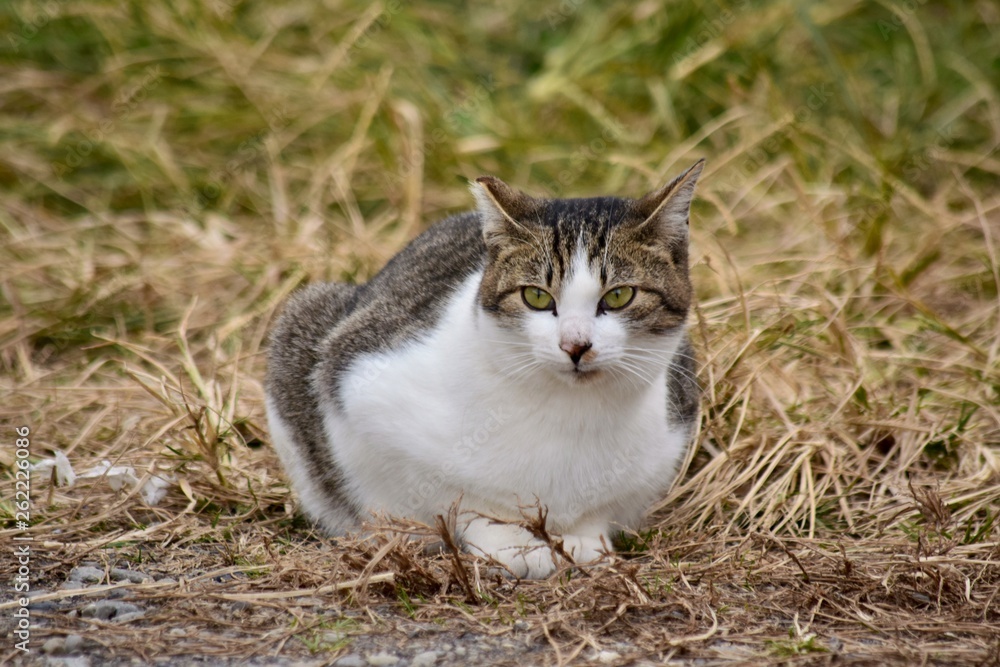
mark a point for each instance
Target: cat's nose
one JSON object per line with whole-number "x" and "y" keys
{"x": 575, "y": 350}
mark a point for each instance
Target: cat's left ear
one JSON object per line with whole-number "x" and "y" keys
{"x": 667, "y": 210}
{"x": 505, "y": 212}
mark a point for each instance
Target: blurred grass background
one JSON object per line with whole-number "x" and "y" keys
{"x": 348, "y": 124}
{"x": 170, "y": 172}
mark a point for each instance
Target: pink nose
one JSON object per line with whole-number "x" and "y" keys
{"x": 575, "y": 350}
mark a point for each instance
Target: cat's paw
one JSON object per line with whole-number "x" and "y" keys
{"x": 519, "y": 554}
{"x": 535, "y": 562}
{"x": 584, "y": 549}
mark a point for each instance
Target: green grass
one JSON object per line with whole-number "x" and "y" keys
{"x": 326, "y": 636}
{"x": 170, "y": 172}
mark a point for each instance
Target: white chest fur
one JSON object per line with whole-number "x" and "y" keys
{"x": 437, "y": 420}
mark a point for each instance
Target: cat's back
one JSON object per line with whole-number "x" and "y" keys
{"x": 430, "y": 267}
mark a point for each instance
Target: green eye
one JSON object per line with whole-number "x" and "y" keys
{"x": 617, "y": 298}
{"x": 537, "y": 298}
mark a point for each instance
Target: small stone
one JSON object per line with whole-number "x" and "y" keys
{"x": 128, "y": 617}
{"x": 177, "y": 632}
{"x": 350, "y": 660}
{"x": 460, "y": 650}
{"x": 521, "y": 626}
{"x": 106, "y": 610}
{"x": 332, "y": 637}
{"x": 77, "y": 661}
{"x": 608, "y": 657}
{"x": 43, "y": 606}
{"x": 86, "y": 574}
{"x": 425, "y": 659}
{"x": 382, "y": 660}
{"x": 54, "y": 645}
{"x": 166, "y": 580}
{"x": 134, "y": 576}
{"x": 73, "y": 643}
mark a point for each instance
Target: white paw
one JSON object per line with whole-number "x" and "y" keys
{"x": 520, "y": 554}
{"x": 524, "y": 556}
{"x": 584, "y": 549}
{"x": 533, "y": 562}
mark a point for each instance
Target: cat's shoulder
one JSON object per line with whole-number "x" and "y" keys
{"x": 441, "y": 256}
{"x": 416, "y": 283}
{"x": 406, "y": 300}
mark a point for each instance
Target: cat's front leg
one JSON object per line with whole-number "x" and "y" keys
{"x": 523, "y": 555}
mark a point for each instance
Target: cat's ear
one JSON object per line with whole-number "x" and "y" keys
{"x": 665, "y": 211}
{"x": 505, "y": 212}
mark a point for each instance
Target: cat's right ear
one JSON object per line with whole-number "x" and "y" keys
{"x": 505, "y": 212}
{"x": 666, "y": 210}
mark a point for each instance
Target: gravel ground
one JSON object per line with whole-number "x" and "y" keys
{"x": 404, "y": 643}
{"x": 377, "y": 636}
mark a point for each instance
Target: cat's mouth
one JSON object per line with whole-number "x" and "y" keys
{"x": 584, "y": 374}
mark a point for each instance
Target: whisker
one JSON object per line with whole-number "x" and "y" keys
{"x": 671, "y": 365}
{"x": 637, "y": 370}
{"x": 620, "y": 374}
{"x": 522, "y": 370}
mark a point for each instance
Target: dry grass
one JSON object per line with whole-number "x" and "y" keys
{"x": 842, "y": 500}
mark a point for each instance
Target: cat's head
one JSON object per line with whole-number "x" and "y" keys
{"x": 586, "y": 289}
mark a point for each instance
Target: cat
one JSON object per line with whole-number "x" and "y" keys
{"x": 531, "y": 351}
